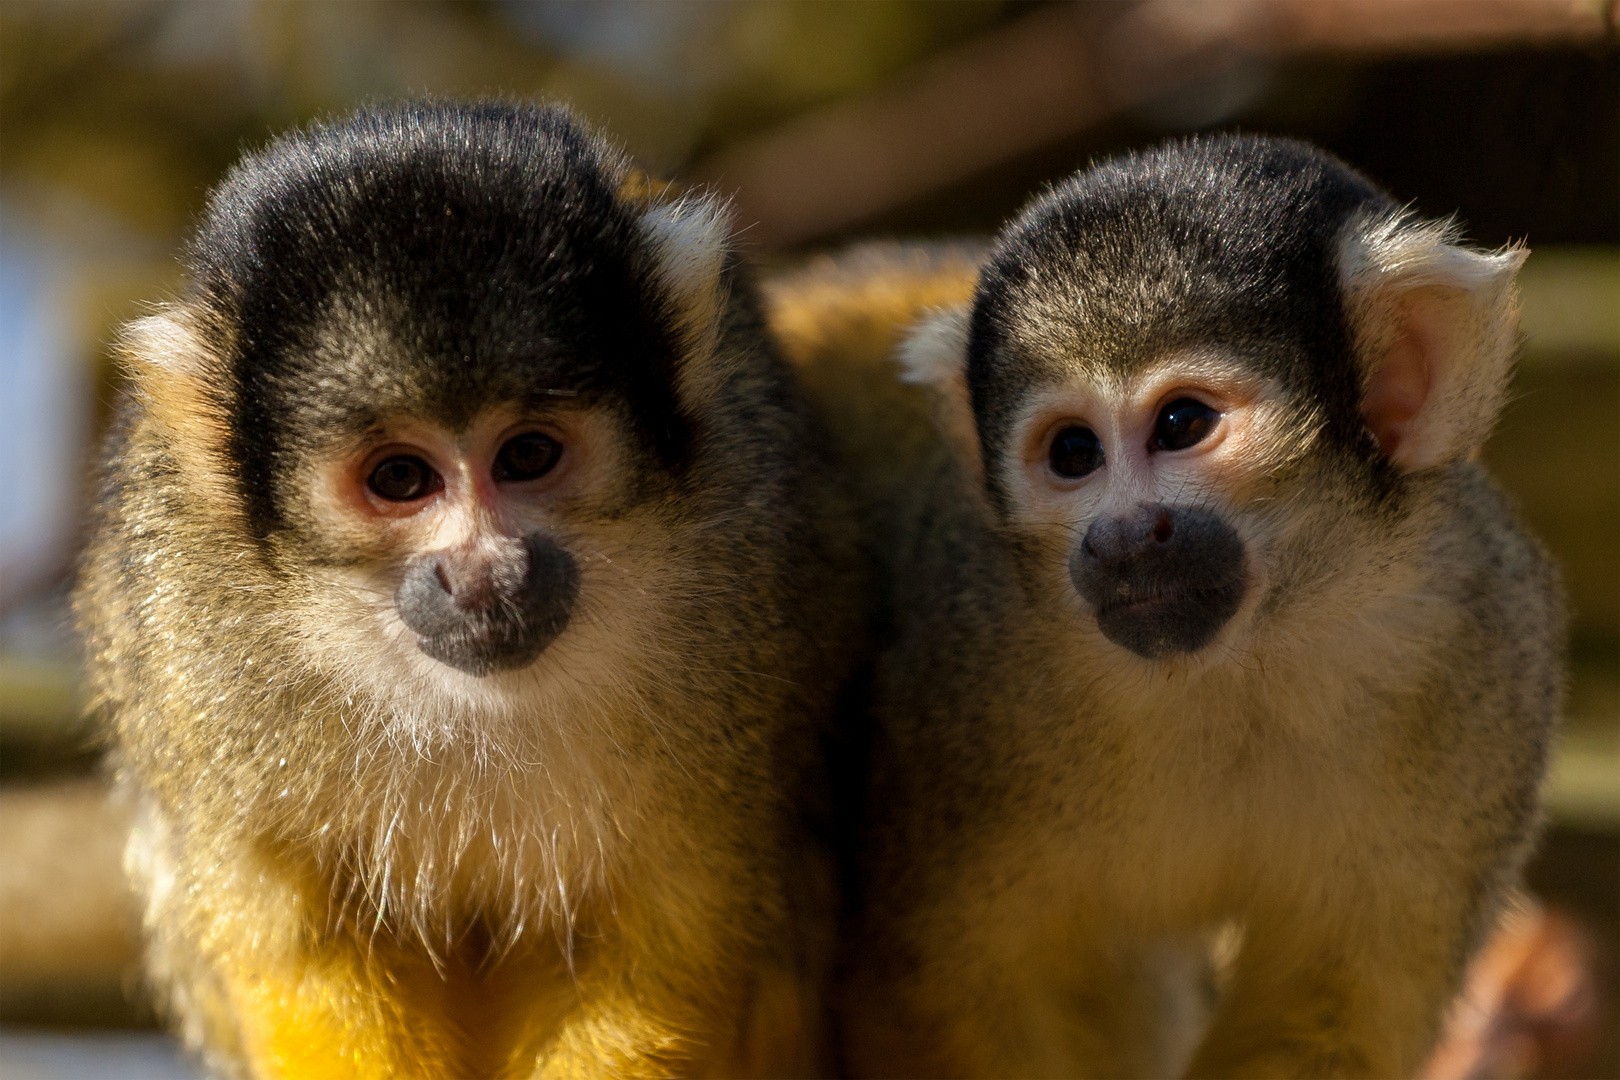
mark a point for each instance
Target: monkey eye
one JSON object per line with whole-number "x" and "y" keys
{"x": 1075, "y": 452}
{"x": 402, "y": 478}
{"x": 527, "y": 456}
{"x": 1183, "y": 423}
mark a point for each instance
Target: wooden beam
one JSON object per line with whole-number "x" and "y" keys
{"x": 1062, "y": 69}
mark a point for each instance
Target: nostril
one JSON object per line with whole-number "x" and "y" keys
{"x": 1163, "y": 527}
{"x": 443, "y": 578}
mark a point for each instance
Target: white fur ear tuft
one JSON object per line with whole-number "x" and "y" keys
{"x": 164, "y": 344}
{"x": 934, "y": 354}
{"x": 176, "y": 376}
{"x": 1436, "y": 328}
{"x": 936, "y": 349}
{"x": 689, "y": 239}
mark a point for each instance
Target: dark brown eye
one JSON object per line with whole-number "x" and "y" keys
{"x": 403, "y": 478}
{"x": 1075, "y": 452}
{"x": 527, "y": 456}
{"x": 1183, "y": 423}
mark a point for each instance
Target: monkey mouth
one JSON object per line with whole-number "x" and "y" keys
{"x": 1162, "y": 579}
{"x": 1143, "y": 603}
{"x": 1160, "y": 621}
{"x": 1145, "y": 591}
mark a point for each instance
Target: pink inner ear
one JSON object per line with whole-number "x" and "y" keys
{"x": 1399, "y": 387}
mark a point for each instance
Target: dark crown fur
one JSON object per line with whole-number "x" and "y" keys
{"x": 1227, "y": 241}
{"x": 489, "y": 248}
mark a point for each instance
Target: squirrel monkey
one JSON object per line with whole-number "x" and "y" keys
{"x": 1210, "y": 629}
{"x": 466, "y": 596}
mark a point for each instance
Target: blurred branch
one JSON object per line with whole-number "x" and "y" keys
{"x": 1067, "y": 67}
{"x": 69, "y": 923}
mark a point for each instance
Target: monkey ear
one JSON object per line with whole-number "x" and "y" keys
{"x": 934, "y": 354}
{"x": 172, "y": 368}
{"x": 1436, "y": 327}
{"x": 163, "y": 346}
{"x": 689, "y": 239}
{"x": 175, "y": 374}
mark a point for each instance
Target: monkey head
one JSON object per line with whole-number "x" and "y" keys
{"x": 1198, "y": 389}
{"x": 448, "y": 394}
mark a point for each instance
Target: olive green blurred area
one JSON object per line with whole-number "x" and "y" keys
{"x": 116, "y": 117}
{"x": 138, "y": 106}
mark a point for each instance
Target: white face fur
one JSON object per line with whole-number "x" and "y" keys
{"x": 1192, "y": 427}
{"x": 409, "y": 488}
{"x": 1195, "y": 431}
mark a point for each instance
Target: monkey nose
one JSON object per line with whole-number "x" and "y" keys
{"x": 492, "y": 607}
{"x": 1113, "y": 542}
{"x": 1162, "y": 579}
{"x": 475, "y": 580}
{"x": 445, "y": 589}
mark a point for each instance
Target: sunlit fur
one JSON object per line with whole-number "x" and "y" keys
{"x": 358, "y": 861}
{"x": 1344, "y": 780}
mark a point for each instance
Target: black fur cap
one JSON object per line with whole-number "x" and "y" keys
{"x": 429, "y": 258}
{"x": 1227, "y": 241}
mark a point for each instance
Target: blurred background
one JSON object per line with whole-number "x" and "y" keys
{"x": 827, "y": 122}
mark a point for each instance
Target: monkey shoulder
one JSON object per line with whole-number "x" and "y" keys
{"x": 856, "y": 304}
{"x": 1473, "y": 734}
{"x": 838, "y": 321}
{"x": 1509, "y": 590}
{"x": 1501, "y": 573}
